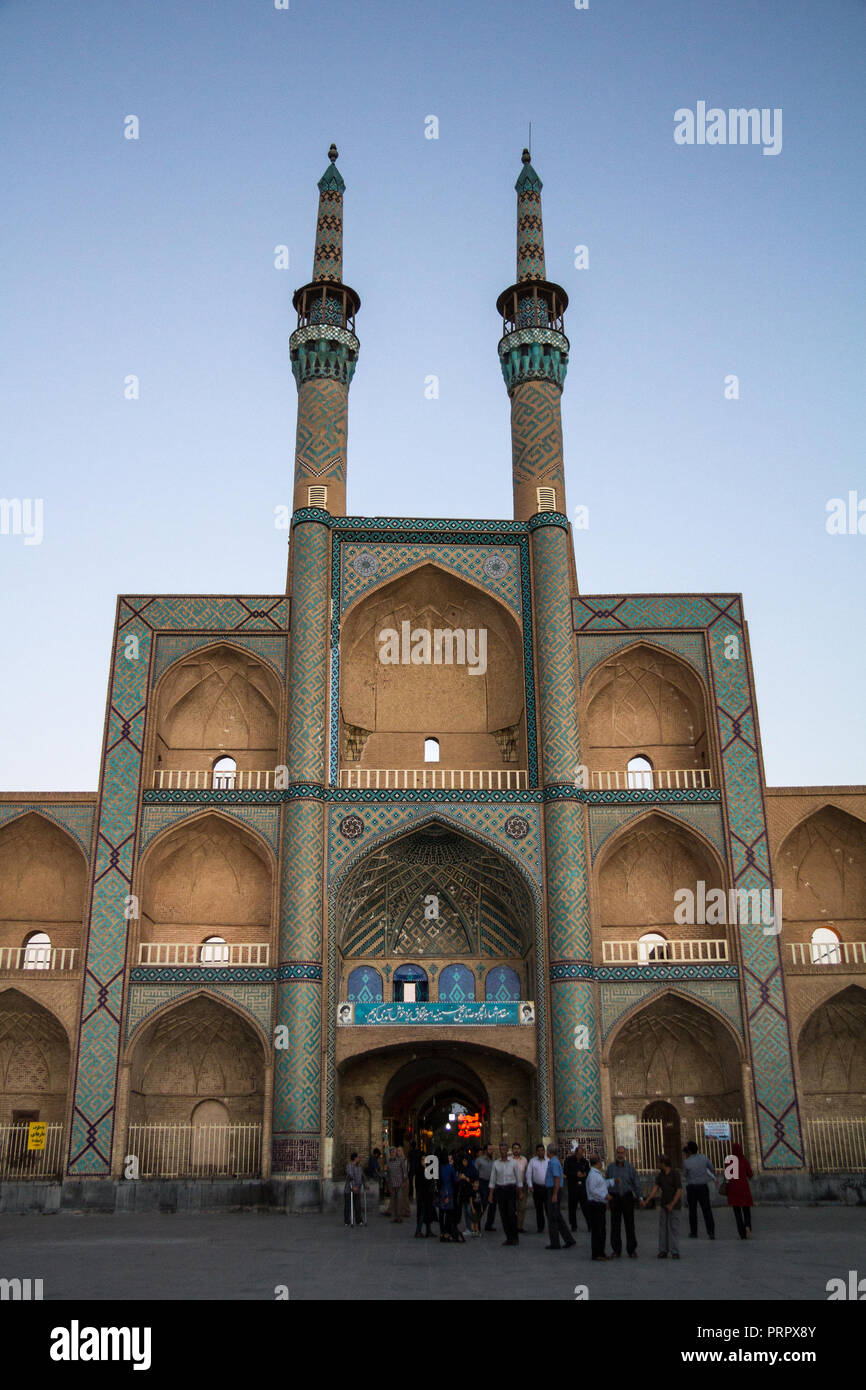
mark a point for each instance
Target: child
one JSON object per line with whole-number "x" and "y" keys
{"x": 475, "y": 1208}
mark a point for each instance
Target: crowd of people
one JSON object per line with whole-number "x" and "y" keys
{"x": 463, "y": 1192}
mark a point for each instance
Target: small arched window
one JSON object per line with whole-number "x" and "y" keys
{"x": 652, "y": 947}
{"x": 431, "y": 750}
{"x": 410, "y": 985}
{"x": 640, "y": 774}
{"x": 225, "y": 772}
{"x": 214, "y": 951}
{"x": 825, "y": 947}
{"x": 37, "y": 951}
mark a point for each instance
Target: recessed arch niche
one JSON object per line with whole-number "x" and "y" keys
{"x": 216, "y": 702}
{"x": 388, "y": 709}
{"x": 206, "y": 874}
{"x": 646, "y": 866}
{"x": 822, "y": 868}
{"x": 644, "y": 701}
{"x": 832, "y": 1056}
{"x": 670, "y": 1048}
{"x": 34, "y": 1060}
{"x": 43, "y": 883}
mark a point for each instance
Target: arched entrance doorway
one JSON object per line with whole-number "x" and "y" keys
{"x": 670, "y": 1140}
{"x": 422, "y": 1097}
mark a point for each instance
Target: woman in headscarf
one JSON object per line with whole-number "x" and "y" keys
{"x": 447, "y": 1184}
{"x": 738, "y": 1191}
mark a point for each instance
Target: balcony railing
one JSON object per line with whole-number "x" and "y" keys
{"x": 651, "y": 953}
{"x": 37, "y": 957}
{"x": 434, "y": 778}
{"x": 828, "y": 952}
{"x": 202, "y": 953}
{"x": 17, "y": 1161}
{"x": 196, "y": 1151}
{"x": 652, "y": 779}
{"x": 203, "y": 779}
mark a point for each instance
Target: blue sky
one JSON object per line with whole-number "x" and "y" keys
{"x": 156, "y": 257}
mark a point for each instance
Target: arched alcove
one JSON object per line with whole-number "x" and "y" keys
{"x": 670, "y": 1048}
{"x": 34, "y": 1060}
{"x": 209, "y": 878}
{"x": 396, "y": 697}
{"x": 832, "y": 1056}
{"x": 214, "y": 703}
{"x": 643, "y": 870}
{"x": 198, "y": 1050}
{"x": 43, "y": 884}
{"x": 822, "y": 869}
{"x": 644, "y": 702}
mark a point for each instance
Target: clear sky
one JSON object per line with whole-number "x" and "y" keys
{"x": 155, "y": 257}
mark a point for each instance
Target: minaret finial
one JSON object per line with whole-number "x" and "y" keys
{"x": 333, "y": 153}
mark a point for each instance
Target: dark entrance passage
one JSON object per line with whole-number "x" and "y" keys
{"x": 672, "y": 1143}
{"x": 421, "y": 1097}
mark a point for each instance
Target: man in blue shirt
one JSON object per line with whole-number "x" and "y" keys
{"x": 624, "y": 1194}
{"x": 556, "y": 1223}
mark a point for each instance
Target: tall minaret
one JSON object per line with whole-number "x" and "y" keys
{"x": 533, "y": 354}
{"x": 324, "y": 350}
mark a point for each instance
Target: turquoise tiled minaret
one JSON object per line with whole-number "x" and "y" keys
{"x": 533, "y": 354}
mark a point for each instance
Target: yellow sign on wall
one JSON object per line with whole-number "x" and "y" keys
{"x": 36, "y": 1132}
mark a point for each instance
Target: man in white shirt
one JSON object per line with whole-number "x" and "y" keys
{"x": 503, "y": 1188}
{"x": 521, "y": 1161}
{"x": 597, "y": 1190}
{"x": 536, "y": 1183}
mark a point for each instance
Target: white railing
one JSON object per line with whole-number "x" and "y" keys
{"x": 650, "y": 1144}
{"x": 662, "y": 952}
{"x": 434, "y": 778}
{"x": 836, "y": 1145}
{"x": 196, "y": 1151}
{"x": 828, "y": 952}
{"x": 651, "y": 779}
{"x": 185, "y": 779}
{"x": 17, "y": 1161}
{"x": 202, "y": 953}
{"x": 37, "y": 957}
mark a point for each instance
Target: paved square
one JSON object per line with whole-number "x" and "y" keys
{"x": 246, "y": 1255}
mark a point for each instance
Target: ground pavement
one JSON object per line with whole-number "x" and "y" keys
{"x": 248, "y": 1255}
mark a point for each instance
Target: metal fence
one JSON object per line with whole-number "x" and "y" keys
{"x": 836, "y": 1145}
{"x": 717, "y": 1150}
{"x": 196, "y": 1151}
{"x": 17, "y": 1161}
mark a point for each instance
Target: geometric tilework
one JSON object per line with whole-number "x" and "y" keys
{"x": 170, "y": 648}
{"x": 595, "y": 648}
{"x": 384, "y": 820}
{"x": 576, "y": 1075}
{"x": 95, "y": 1080}
{"x": 604, "y": 821}
{"x": 264, "y": 819}
{"x": 617, "y": 999}
{"x": 464, "y": 560}
{"x": 733, "y": 704}
{"x": 144, "y": 1000}
{"x": 78, "y": 820}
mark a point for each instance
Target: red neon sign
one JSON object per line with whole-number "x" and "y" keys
{"x": 469, "y": 1126}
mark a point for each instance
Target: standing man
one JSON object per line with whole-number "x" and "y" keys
{"x": 576, "y": 1168}
{"x": 484, "y": 1165}
{"x": 353, "y": 1215}
{"x": 536, "y": 1180}
{"x": 597, "y": 1194}
{"x": 623, "y": 1196}
{"x": 668, "y": 1187}
{"x": 697, "y": 1172}
{"x": 553, "y": 1194}
{"x": 503, "y": 1187}
{"x": 521, "y": 1161}
{"x": 396, "y": 1182}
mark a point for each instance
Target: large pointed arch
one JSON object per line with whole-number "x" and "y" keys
{"x": 821, "y": 866}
